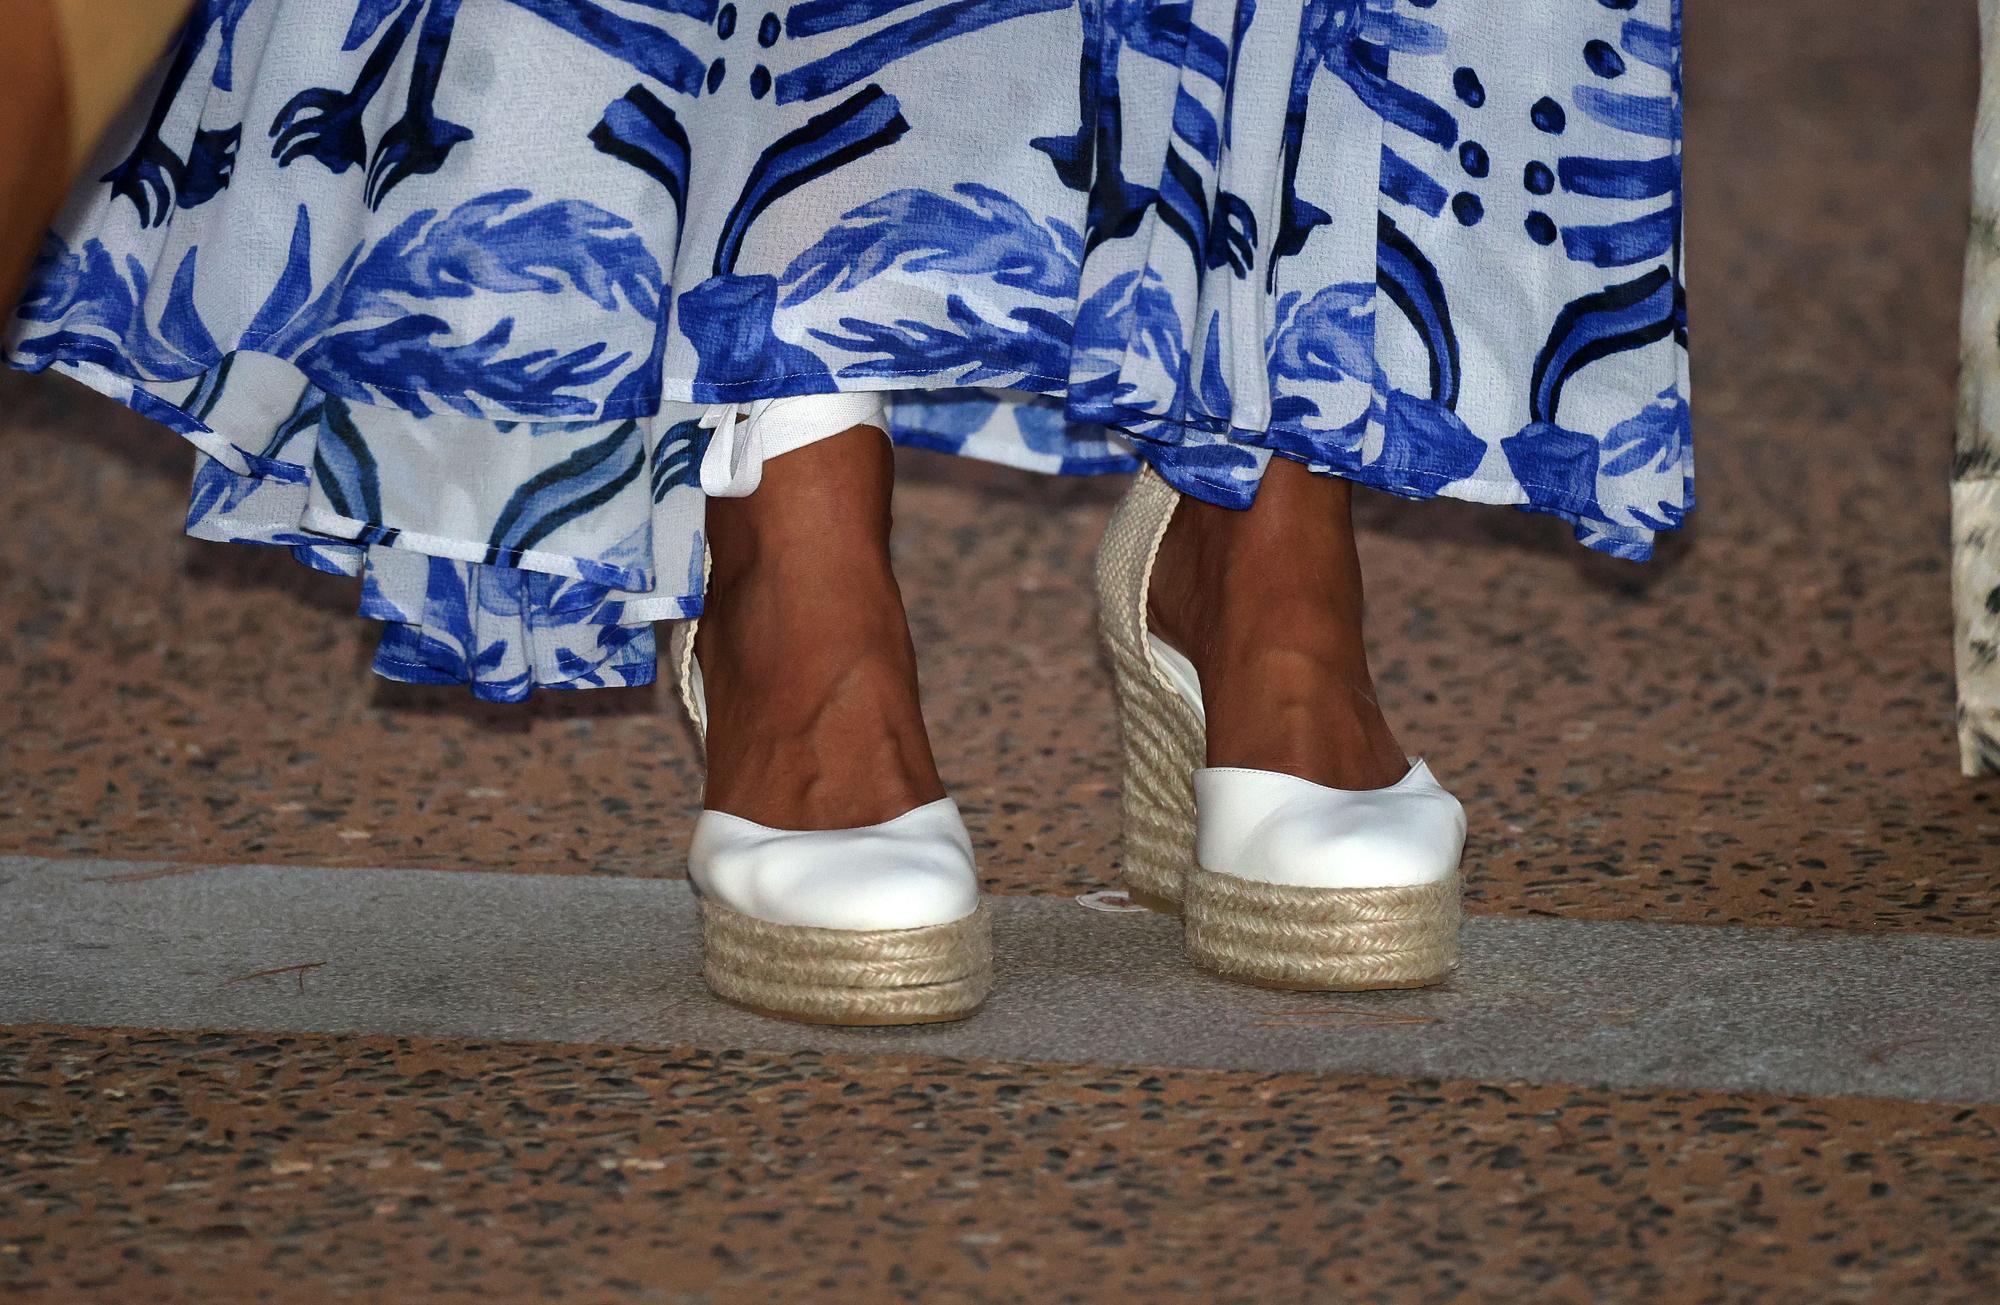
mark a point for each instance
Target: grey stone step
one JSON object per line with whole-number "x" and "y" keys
{"x": 588, "y": 960}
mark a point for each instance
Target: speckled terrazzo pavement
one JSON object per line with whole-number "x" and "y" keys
{"x": 150, "y": 1167}
{"x": 1757, "y": 728}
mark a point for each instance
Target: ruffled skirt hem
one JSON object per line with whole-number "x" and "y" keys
{"x": 460, "y": 608}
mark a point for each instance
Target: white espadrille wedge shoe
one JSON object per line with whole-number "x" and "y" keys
{"x": 870, "y": 926}
{"x": 1279, "y": 881}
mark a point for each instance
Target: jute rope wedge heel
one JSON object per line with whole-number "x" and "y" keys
{"x": 1162, "y": 738}
{"x": 873, "y": 926}
{"x": 1279, "y": 881}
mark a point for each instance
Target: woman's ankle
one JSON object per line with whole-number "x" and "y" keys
{"x": 814, "y": 721}
{"x": 1267, "y": 604}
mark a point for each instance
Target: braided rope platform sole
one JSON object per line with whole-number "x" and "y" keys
{"x": 1277, "y": 935}
{"x": 848, "y": 976}
{"x": 1322, "y": 939}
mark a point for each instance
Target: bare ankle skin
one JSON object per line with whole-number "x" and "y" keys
{"x": 1267, "y": 604}
{"x": 813, "y": 714}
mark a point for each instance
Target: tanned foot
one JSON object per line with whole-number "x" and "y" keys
{"x": 1267, "y": 605}
{"x": 813, "y": 717}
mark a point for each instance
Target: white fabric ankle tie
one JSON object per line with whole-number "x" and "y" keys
{"x": 749, "y": 434}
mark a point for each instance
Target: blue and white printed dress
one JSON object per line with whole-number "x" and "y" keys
{"x": 438, "y": 288}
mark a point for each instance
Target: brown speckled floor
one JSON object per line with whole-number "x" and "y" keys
{"x": 1756, "y": 728}
{"x": 156, "y": 1167}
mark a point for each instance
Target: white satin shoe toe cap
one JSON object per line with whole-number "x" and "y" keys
{"x": 1278, "y": 829}
{"x": 908, "y": 873}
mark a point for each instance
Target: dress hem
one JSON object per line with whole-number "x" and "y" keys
{"x": 632, "y": 666}
{"x": 1511, "y": 491}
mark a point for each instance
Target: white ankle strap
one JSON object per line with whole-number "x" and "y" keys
{"x": 749, "y": 434}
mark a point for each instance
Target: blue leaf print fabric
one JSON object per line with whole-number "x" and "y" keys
{"x": 440, "y": 288}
